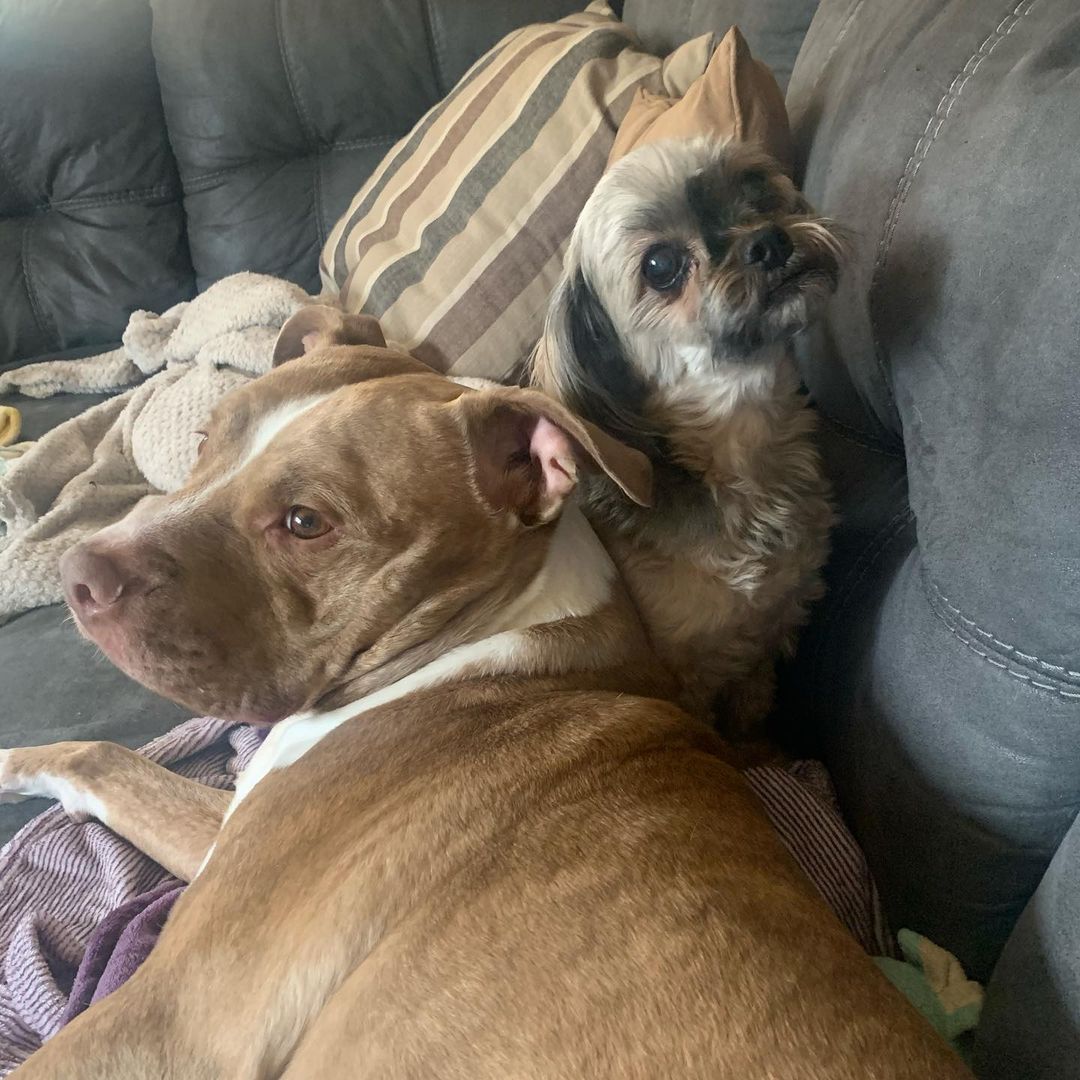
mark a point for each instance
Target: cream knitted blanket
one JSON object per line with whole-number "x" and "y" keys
{"x": 88, "y": 472}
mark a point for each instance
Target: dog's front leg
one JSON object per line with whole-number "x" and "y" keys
{"x": 174, "y": 820}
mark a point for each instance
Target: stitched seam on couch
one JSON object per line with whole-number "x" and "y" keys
{"x": 834, "y": 48}
{"x": 434, "y": 47}
{"x": 7, "y": 177}
{"x": 862, "y": 566}
{"x": 112, "y": 198}
{"x": 306, "y": 126}
{"x": 46, "y": 326}
{"x": 359, "y": 144}
{"x": 968, "y": 643}
{"x": 196, "y": 183}
{"x": 969, "y": 631}
{"x": 930, "y": 133}
{"x": 89, "y": 202}
{"x": 858, "y": 438}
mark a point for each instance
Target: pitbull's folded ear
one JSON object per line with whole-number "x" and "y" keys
{"x": 527, "y": 449}
{"x": 320, "y": 326}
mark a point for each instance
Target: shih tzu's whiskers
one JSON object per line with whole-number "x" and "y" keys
{"x": 734, "y": 285}
{"x": 819, "y": 233}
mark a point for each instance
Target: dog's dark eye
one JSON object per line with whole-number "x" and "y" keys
{"x": 663, "y": 267}
{"x": 305, "y": 523}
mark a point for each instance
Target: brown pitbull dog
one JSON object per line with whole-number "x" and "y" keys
{"x": 476, "y": 844}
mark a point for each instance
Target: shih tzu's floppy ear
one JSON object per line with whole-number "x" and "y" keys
{"x": 581, "y": 361}
{"x": 527, "y": 450}
{"x": 319, "y": 326}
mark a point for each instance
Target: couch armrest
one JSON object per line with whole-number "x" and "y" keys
{"x": 1030, "y": 1025}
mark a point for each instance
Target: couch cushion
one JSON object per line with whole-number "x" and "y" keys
{"x": 944, "y": 667}
{"x": 456, "y": 241}
{"x": 91, "y": 225}
{"x": 773, "y": 28}
{"x": 43, "y": 414}
{"x": 279, "y": 109}
{"x": 1030, "y": 1027}
{"x": 277, "y": 112}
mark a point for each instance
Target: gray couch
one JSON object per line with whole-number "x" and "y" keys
{"x": 141, "y": 158}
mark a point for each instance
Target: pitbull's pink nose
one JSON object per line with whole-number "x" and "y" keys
{"x": 92, "y": 580}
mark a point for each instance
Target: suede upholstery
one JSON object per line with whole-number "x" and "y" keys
{"x": 1031, "y": 1020}
{"x": 942, "y": 672}
{"x": 941, "y": 676}
{"x": 944, "y": 668}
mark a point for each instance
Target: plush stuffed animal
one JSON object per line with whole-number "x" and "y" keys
{"x": 935, "y": 983}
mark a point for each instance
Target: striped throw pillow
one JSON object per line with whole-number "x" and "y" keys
{"x": 456, "y": 240}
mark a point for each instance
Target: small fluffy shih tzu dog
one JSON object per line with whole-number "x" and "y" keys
{"x": 693, "y": 265}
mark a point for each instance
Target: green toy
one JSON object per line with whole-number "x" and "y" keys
{"x": 935, "y": 983}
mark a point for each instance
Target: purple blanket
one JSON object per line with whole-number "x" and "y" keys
{"x": 60, "y": 881}
{"x": 119, "y": 945}
{"x": 80, "y": 908}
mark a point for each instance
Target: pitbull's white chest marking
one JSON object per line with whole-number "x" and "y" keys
{"x": 575, "y": 580}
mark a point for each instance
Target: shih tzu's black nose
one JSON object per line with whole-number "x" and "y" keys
{"x": 768, "y": 248}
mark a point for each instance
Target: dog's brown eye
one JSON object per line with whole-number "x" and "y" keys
{"x": 305, "y": 523}
{"x": 664, "y": 267}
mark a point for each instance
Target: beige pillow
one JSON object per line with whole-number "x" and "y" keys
{"x": 456, "y": 240}
{"x": 737, "y": 97}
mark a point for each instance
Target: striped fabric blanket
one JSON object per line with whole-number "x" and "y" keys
{"x": 80, "y": 908}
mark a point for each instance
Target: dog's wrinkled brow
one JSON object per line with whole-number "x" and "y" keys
{"x": 714, "y": 199}
{"x": 665, "y": 218}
